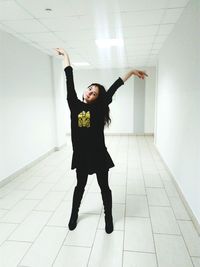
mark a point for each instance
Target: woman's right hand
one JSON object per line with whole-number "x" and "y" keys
{"x": 60, "y": 51}
{"x": 65, "y": 56}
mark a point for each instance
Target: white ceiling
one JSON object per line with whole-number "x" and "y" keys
{"x": 144, "y": 26}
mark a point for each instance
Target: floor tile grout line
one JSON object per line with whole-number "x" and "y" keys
{"x": 100, "y": 214}
{"x": 72, "y": 187}
{"x": 39, "y": 201}
{"x": 18, "y": 225}
{"x": 179, "y": 219}
{"x": 18, "y": 201}
{"x": 78, "y": 246}
{"x": 89, "y": 257}
{"x": 142, "y": 252}
{"x": 28, "y": 212}
{"x": 23, "y": 198}
{"x": 156, "y": 256}
{"x": 125, "y": 201}
{"x": 19, "y": 241}
{"x": 45, "y": 225}
{"x": 181, "y": 234}
{"x": 61, "y": 246}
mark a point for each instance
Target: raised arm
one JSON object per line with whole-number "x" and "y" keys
{"x": 71, "y": 93}
{"x": 120, "y": 81}
{"x": 112, "y": 89}
{"x": 139, "y": 73}
{"x": 63, "y": 53}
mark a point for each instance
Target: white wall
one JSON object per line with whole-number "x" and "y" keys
{"x": 122, "y": 107}
{"x": 178, "y": 104}
{"x": 149, "y": 116}
{"x": 26, "y": 105}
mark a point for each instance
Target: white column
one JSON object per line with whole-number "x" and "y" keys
{"x": 139, "y": 102}
{"x": 60, "y": 102}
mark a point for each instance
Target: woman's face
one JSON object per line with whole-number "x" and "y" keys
{"x": 91, "y": 94}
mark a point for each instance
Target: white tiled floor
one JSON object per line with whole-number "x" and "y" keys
{"x": 152, "y": 226}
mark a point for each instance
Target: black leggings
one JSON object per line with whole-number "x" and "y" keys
{"x": 102, "y": 179}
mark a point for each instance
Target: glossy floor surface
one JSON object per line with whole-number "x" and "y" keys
{"x": 151, "y": 225}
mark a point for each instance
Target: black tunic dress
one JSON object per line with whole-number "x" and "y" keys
{"x": 87, "y": 129}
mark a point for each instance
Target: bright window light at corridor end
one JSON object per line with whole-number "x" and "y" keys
{"x": 109, "y": 42}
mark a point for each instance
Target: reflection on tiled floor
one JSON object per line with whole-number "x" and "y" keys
{"x": 152, "y": 227}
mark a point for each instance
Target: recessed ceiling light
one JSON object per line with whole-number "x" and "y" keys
{"x": 109, "y": 42}
{"x": 81, "y": 64}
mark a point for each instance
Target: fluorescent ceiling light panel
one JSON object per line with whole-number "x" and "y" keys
{"x": 109, "y": 42}
{"x": 81, "y": 64}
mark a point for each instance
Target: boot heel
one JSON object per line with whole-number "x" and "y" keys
{"x": 73, "y": 222}
{"x": 109, "y": 224}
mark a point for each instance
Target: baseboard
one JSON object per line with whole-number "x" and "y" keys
{"x": 123, "y": 134}
{"x": 20, "y": 171}
{"x": 57, "y": 148}
{"x": 11, "y": 177}
{"x": 186, "y": 204}
{"x": 128, "y": 134}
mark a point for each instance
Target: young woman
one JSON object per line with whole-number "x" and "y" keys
{"x": 90, "y": 155}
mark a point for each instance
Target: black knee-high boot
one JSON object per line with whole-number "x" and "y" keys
{"x": 107, "y": 202}
{"x": 77, "y": 197}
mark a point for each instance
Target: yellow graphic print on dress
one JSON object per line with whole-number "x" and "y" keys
{"x": 84, "y": 119}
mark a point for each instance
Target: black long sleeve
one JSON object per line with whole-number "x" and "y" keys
{"x": 71, "y": 93}
{"x": 113, "y": 88}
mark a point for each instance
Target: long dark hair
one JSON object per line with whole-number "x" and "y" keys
{"x": 101, "y": 100}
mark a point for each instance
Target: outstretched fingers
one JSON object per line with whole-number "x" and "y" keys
{"x": 60, "y": 51}
{"x": 141, "y": 74}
